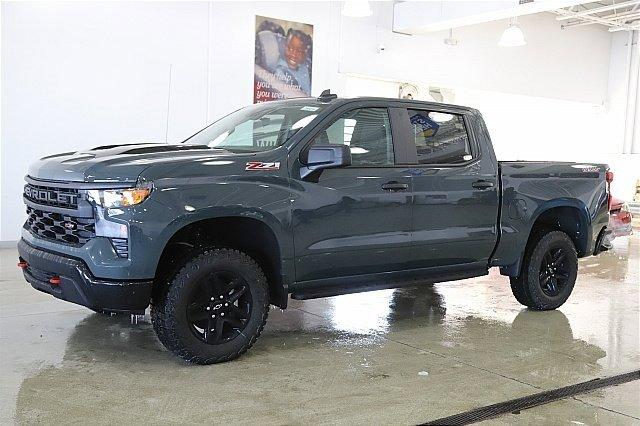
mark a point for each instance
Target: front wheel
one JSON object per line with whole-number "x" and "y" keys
{"x": 548, "y": 273}
{"x": 214, "y": 308}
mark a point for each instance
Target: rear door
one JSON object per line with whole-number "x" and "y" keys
{"x": 454, "y": 187}
{"x": 354, "y": 220}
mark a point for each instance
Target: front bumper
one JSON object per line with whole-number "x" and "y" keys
{"x": 78, "y": 285}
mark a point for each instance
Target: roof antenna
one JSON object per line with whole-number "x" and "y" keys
{"x": 327, "y": 96}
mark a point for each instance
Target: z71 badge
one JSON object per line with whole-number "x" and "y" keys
{"x": 259, "y": 165}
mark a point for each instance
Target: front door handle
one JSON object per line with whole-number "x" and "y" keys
{"x": 482, "y": 184}
{"x": 395, "y": 186}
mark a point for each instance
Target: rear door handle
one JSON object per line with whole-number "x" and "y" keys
{"x": 395, "y": 186}
{"x": 482, "y": 184}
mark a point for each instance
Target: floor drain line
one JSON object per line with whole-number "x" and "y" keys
{"x": 519, "y": 404}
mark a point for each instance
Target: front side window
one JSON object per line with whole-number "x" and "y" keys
{"x": 440, "y": 138}
{"x": 366, "y": 131}
{"x": 259, "y": 127}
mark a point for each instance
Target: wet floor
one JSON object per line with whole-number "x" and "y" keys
{"x": 393, "y": 356}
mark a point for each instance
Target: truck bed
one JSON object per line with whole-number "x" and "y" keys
{"x": 530, "y": 187}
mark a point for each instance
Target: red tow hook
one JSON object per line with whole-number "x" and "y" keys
{"x": 55, "y": 280}
{"x": 23, "y": 265}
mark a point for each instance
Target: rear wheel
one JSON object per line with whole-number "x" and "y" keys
{"x": 214, "y": 308}
{"x": 549, "y": 272}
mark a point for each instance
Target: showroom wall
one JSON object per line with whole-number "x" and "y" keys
{"x": 552, "y": 64}
{"x": 77, "y": 75}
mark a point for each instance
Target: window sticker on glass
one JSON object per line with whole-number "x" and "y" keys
{"x": 309, "y": 108}
{"x": 427, "y": 126}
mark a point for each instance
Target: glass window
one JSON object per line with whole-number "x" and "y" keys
{"x": 366, "y": 132}
{"x": 259, "y": 127}
{"x": 440, "y": 138}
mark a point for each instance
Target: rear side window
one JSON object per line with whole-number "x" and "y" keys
{"x": 440, "y": 138}
{"x": 366, "y": 131}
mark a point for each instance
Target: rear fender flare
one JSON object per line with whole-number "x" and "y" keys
{"x": 584, "y": 246}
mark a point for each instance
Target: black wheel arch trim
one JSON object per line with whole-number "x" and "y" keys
{"x": 587, "y": 243}
{"x": 281, "y": 234}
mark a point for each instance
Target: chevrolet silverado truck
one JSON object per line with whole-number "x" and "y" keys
{"x": 302, "y": 198}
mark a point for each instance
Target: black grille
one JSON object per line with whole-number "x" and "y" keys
{"x": 60, "y": 227}
{"x": 51, "y": 196}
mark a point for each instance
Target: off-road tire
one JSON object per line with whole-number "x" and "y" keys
{"x": 527, "y": 287}
{"x": 170, "y": 300}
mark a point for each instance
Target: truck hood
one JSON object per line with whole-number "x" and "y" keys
{"x": 115, "y": 163}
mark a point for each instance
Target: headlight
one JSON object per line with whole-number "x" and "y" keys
{"x": 110, "y": 198}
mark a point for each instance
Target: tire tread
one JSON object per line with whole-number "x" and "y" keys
{"x": 521, "y": 286}
{"x": 165, "y": 300}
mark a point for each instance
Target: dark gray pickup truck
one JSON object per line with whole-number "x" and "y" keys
{"x": 308, "y": 198}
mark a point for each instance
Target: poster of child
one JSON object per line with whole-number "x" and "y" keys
{"x": 283, "y": 58}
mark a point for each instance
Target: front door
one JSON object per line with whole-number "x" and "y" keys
{"x": 354, "y": 220}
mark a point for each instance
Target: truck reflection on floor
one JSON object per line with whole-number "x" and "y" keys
{"x": 106, "y": 352}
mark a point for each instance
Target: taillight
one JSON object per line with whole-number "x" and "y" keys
{"x": 609, "y": 176}
{"x": 624, "y": 215}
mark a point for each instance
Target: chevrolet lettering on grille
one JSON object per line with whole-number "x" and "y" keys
{"x": 50, "y": 196}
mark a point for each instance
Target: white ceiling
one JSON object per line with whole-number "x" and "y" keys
{"x": 413, "y": 17}
{"x": 617, "y": 15}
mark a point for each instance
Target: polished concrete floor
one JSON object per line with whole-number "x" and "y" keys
{"x": 387, "y": 357}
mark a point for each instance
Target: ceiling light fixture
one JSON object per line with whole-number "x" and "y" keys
{"x": 356, "y": 8}
{"x": 512, "y": 36}
{"x": 451, "y": 41}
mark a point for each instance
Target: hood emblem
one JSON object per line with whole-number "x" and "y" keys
{"x": 259, "y": 165}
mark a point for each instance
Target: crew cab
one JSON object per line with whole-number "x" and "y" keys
{"x": 302, "y": 198}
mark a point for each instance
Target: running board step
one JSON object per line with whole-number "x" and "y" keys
{"x": 315, "y": 293}
{"x": 359, "y": 284}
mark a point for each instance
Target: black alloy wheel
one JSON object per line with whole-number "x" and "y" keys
{"x": 549, "y": 271}
{"x": 213, "y": 308}
{"x": 554, "y": 272}
{"x": 219, "y": 307}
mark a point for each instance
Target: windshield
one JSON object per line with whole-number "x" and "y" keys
{"x": 259, "y": 127}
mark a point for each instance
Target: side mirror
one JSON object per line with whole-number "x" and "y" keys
{"x": 325, "y": 157}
